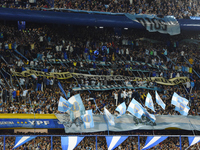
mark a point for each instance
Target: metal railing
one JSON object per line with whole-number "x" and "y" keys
{"x": 96, "y": 136}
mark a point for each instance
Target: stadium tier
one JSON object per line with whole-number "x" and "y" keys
{"x": 89, "y": 75}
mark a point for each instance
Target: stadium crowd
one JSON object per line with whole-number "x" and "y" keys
{"x": 102, "y": 53}
{"x": 179, "y": 9}
{"x": 93, "y": 51}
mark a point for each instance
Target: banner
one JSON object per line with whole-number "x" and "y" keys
{"x": 112, "y": 87}
{"x": 66, "y": 75}
{"x": 124, "y": 123}
{"x": 153, "y": 23}
{"x": 30, "y": 123}
{"x": 62, "y": 75}
{"x": 102, "y": 63}
{"x": 127, "y": 123}
{"x": 159, "y": 80}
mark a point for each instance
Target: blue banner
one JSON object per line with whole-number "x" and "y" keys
{"x": 30, "y": 123}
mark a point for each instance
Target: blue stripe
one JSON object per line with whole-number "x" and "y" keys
{"x": 64, "y": 143}
{"x": 20, "y": 137}
{"x": 109, "y": 140}
{"x": 162, "y": 138}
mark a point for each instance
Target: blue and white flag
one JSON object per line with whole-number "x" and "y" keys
{"x": 70, "y": 142}
{"x": 88, "y": 119}
{"x": 109, "y": 117}
{"x": 64, "y": 105}
{"x": 193, "y": 140}
{"x": 150, "y": 116}
{"x": 20, "y": 140}
{"x": 159, "y": 101}
{"x": 77, "y": 108}
{"x": 182, "y": 108}
{"x": 149, "y": 102}
{"x": 121, "y": 109}
{"x": 152, "y": 23}
{"x": 153, "y": 141}
{"x": 114, "y": 141}
{"x": 135, "y": 108}
{"x": 177, "y": 99}
{"x": 62, "y": 90}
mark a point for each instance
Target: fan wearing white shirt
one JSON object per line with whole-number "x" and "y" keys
{"x": 129, "y": 95}
{"x": 116, "y": 97}
{"x": 126, "y": 82}
{"x": 86, "y": 82}
{"x": 93, "y": 82}
{"x": 127, "y": 53}
{"x": 22, "y": 81}
{"x": 125, "y": 94}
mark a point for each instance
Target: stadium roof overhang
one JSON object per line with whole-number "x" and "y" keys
{"x": 80, "y": 18}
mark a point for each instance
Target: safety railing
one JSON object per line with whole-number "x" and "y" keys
{"x": 181, "y": 140}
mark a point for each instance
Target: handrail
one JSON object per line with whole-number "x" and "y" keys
{"x": 5, "y": 79}
{"x": 14, "y": 56}
{"x": 20, "y": 54}
{"x": 103, "y": 135}
{"x": 10, "y": 77}
{"x": 4, "y": 60}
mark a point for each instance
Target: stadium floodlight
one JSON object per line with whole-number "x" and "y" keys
{"x": 101, "y": 27}
{"x": 125, "y": 28}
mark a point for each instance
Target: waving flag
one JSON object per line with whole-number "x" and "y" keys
{"x": 193, "y": 140}
{"x": 64, "y": 105}
{"x": 177, "y": 99}
{"x": 180, "y": 103}
{"x": 20, "y": 140}
{"x": 77, "y": 108}
{"x": 62, "y": 90}
{"x": 70, "y": 142}
{"x": 109, "y": 117}
{"x": 121, "y": 109}
{"x": 182, "y": 108}
{"x": 153, "y": 141}
{"x": 159, "y": 101}
{"x": 114, "y": 141}
{"x": 135, "y": 108}
{"x": 150, "y": 116}
{"x": 88, "y": 119}
{"x": 149, "y": 102}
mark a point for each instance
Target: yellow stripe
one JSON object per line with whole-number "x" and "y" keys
{"x": 28, "y": 116}
{"x": 29, "y": 128}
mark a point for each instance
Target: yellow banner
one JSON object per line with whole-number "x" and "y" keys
{"x": 28, "y": 116}
{"x": 163, "y": 81}
{"x": 63, "y": 75}
{"x": 66, "y": 75}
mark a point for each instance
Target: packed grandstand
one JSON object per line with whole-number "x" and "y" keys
{"x": 179, "y": 9}
{"x": 41, "y": 62}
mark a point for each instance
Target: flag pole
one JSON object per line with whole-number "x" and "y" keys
{"x": 96, "y": 142}
{"x": 4, "y": 142}
{"x": 51, "y": 142}
{"x": 138, "y": 142}
{"x": 180, "y": 142}
{"x": 106, "y": 123}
